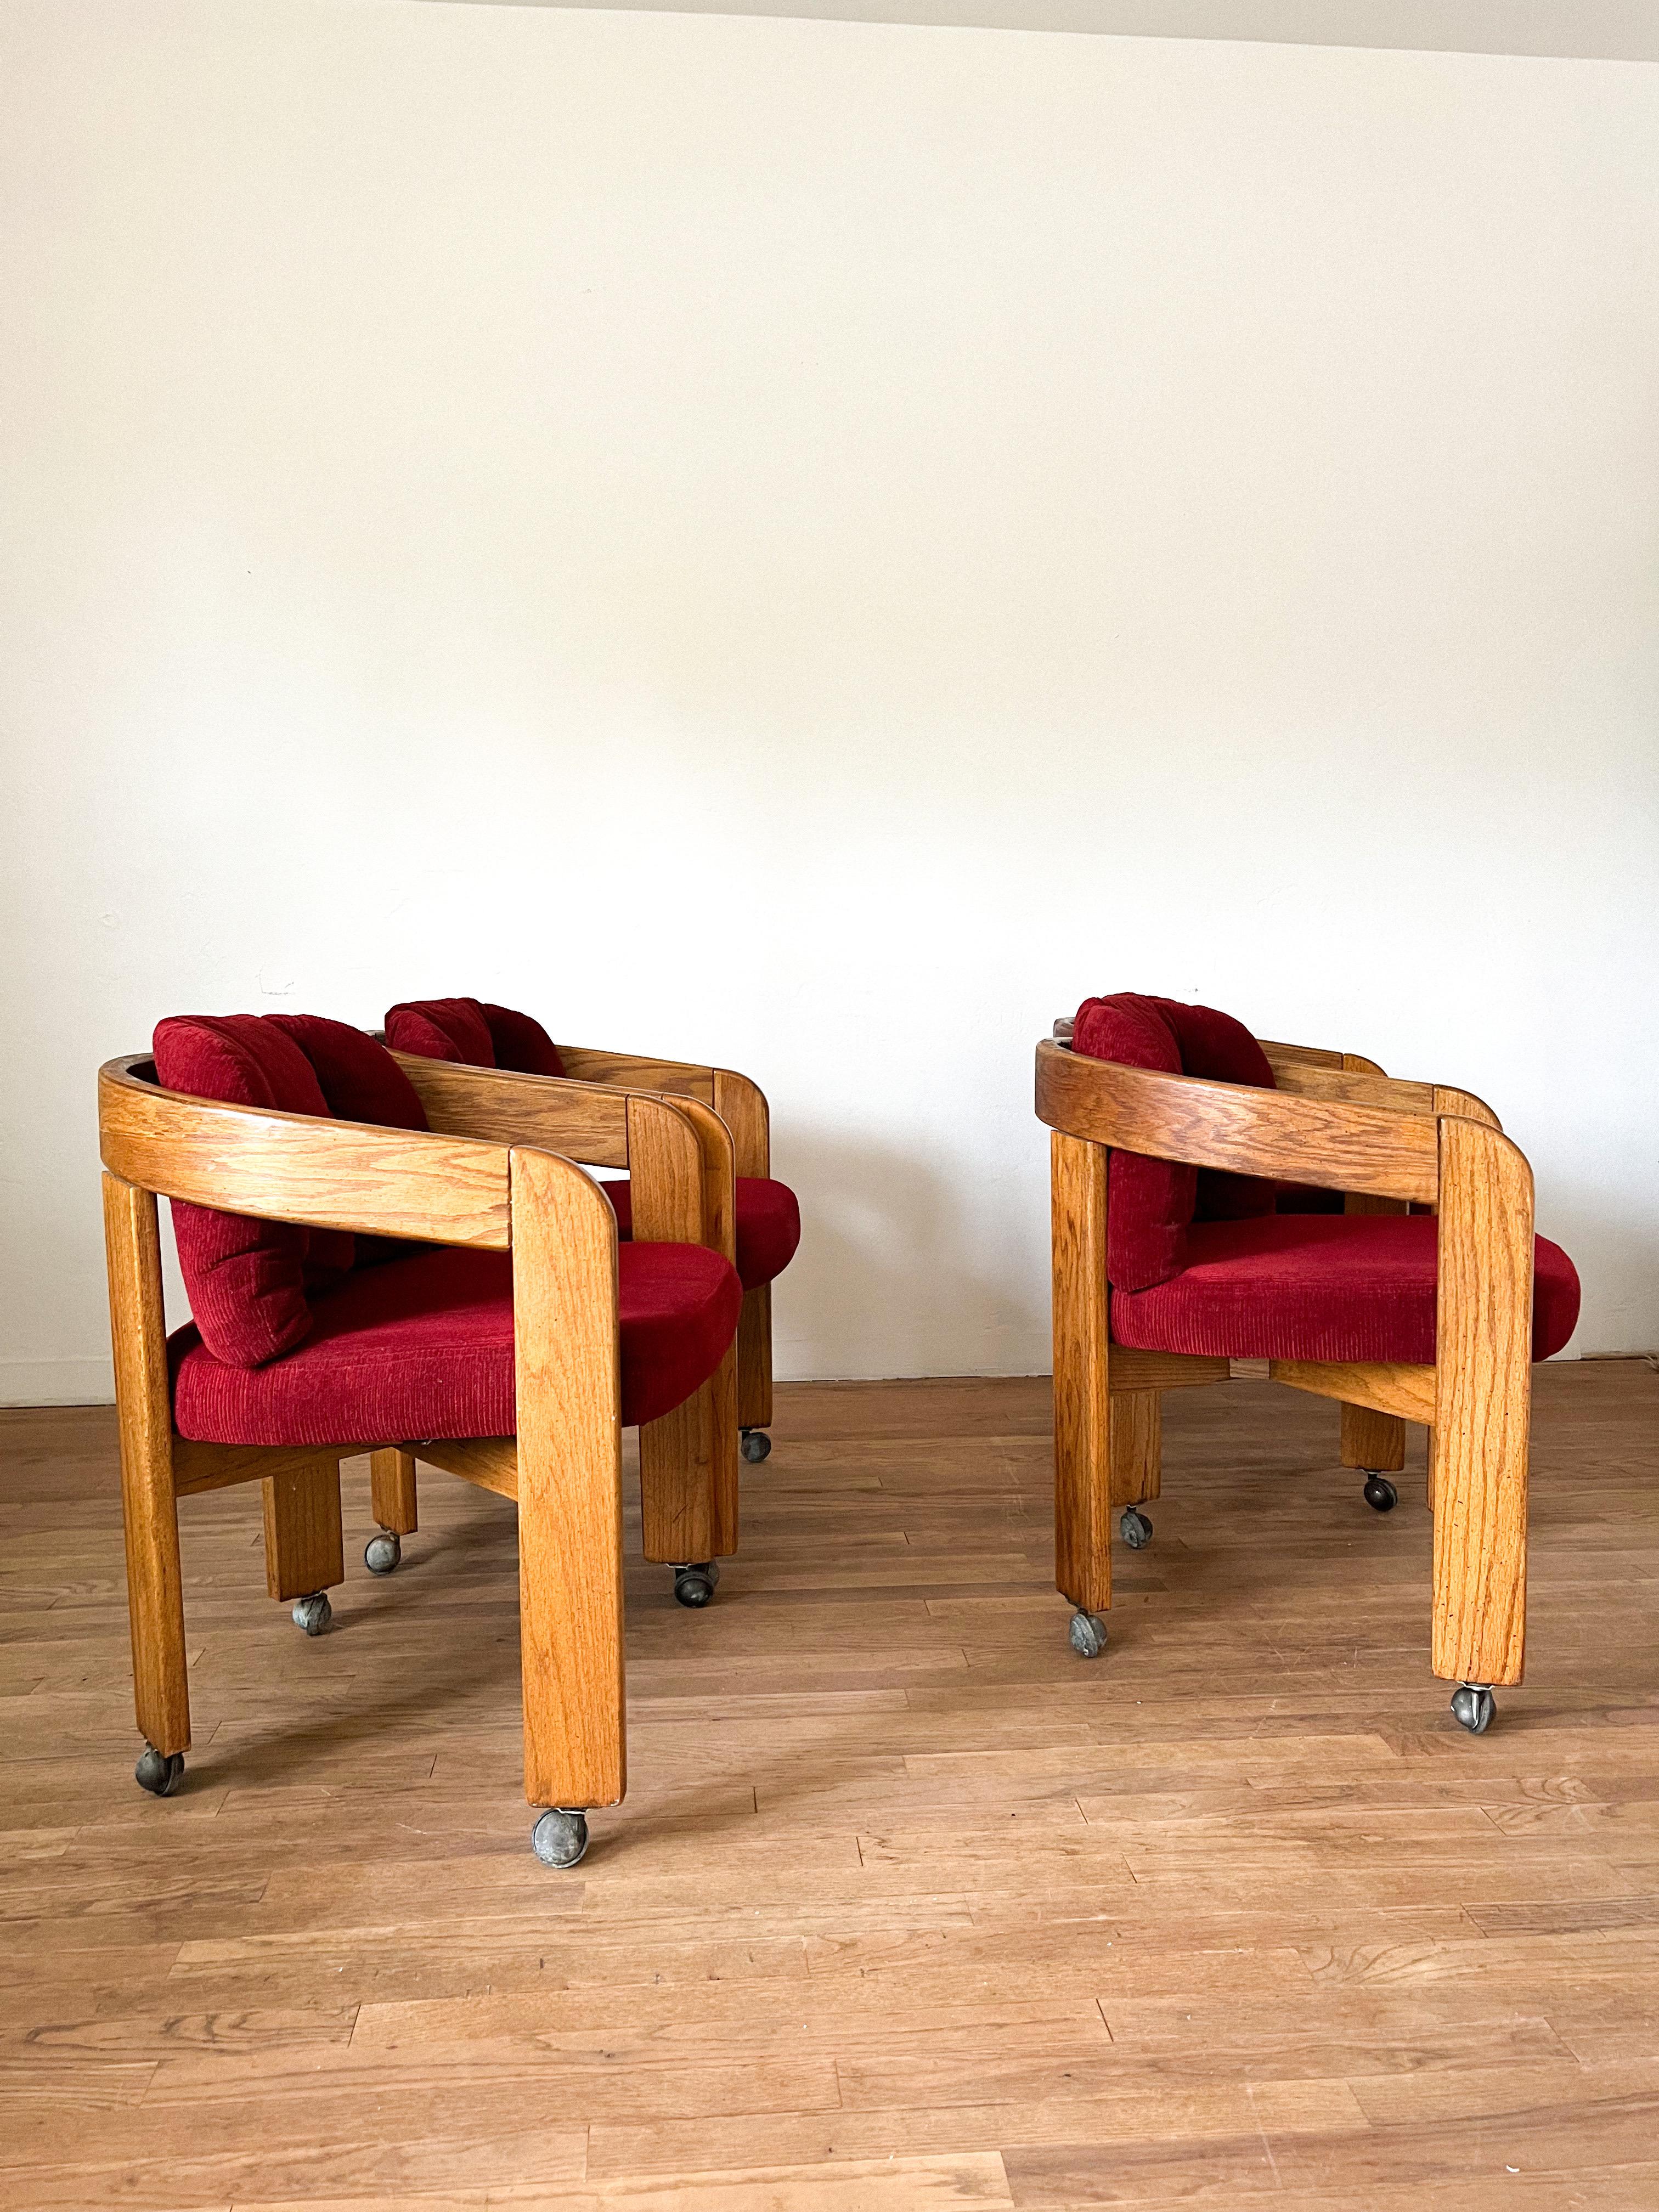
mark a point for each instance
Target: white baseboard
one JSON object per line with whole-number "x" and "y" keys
{"x": 89, "y": 1381}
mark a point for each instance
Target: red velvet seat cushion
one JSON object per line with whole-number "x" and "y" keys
{"x": 423, "y": 1347}
{"x": 769, "y": 1225}
{"x": 1320, "y": 1286}
{"x": 472, "y": 1031}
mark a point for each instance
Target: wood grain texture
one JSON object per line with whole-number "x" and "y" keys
{"x": 1083, "y": 1486}
{"x": 689, "y": 1455}
{"x": 1136, "y": 1371}
{"x": 755, "y": 1358}
{"x": 303, "y": 1547}
{"x": 903, "y": 1896}
{"x": 489, "y": 1462}
{"x": 294, "y": 1167}
{"x": 149, "y": 1511}
{"x": 197, "y": 1467}
{"x": 1359, "y": 1087}
{"x": 1380, "y": 1387}
{"x": 1464, "y": 1103}
{"x": 394, "y": 1499}
{"x": 1326, "y": 1142}
{"x": 1372, "y": 1440}
{"x": 741, "y": 1104}
{"x": 1297, "y": 1055}
{"x": 583, "y": 1122}
{"x": 566, "y": 1363}
{"x": 1137, "y": 1433}
{"x": 1482, "y": 1405}
{"x": 638, "y": 1072}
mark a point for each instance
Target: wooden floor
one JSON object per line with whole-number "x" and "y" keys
{"x": 908, "y": 1906}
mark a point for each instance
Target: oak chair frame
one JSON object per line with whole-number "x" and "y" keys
{"x": 485, "y": 1176}
{"x": 740, "y": 1103}
{"x": 1337, "y": 1122}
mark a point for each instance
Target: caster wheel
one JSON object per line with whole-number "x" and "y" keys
{"x": 1380, "y": 1493}
{"x": 382, "y": 1551}
{"x": 1473, "y": 1707}
{"x": 1088, "y": 1634}
{"x": 1135, "y": 1529}
{"x": 560, "y": 1839}
{"x": 694, "y": 1585}
{"x": 756, "y": 1445}
{"x": 314, "y": 1613}
{"x": 159, "y": 1776}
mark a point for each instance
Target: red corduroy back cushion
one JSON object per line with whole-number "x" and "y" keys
{"x": 521, "y": 1042}
{"x": 473, "y": 1030}
{"x": 1152, "y": 1201}
{"x": 247, "y": 1278}
{"x": 442, "y": 1029}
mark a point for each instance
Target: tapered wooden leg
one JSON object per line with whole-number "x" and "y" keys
{"x": 1483, "y": 1390}
{"x": 1136, "y": 1418}
{"x": 568, "y": 1371}
{"x": 392, "y": 1491}
{"x": 304, "y": 1549}
{"x": 755, "y": 1359}
{"x": 149, "y": 1511}
{"x": 1083, "y": 1457}
{"x": 1377, "y": 1441}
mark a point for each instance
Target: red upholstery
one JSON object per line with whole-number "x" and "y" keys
{"x": 423, "y": 1347}
{"x": 769, "y": 1225}
{"x": 247, "y": 1278}
{"x": 521, "y": 1042}
{"x": 475, "y": 1032}
{"x": 1320, "y": 1286}
{"x": 360, "y": 1079}
{"x": 442, "y": 1029}
{"x": 1152, "y": 1201}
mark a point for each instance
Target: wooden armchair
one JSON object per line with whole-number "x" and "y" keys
{"x": 766, "y": 1219}
{"x": 1457, "y": 1297}
{"x": 522, "y": 1303}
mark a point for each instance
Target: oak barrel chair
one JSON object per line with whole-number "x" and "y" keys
{"x": 432, "y": 1274}
{"x": 767, "y": 1216}
{"x": 1188, "y": 1234}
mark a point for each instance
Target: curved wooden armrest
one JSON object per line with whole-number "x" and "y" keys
{"x": 292, "y": 1167}
{"x": 678, "y": 1153}
{"x": 1328, "y": 1142}
{"x": 1342, "y": 1075}
{"x": 739, "y": 1102}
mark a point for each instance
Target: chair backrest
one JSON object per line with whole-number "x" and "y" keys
{"x": 249, "y": 1282}
{"x": 474, "y": 1033}
{"x": 1153, "y": 1202}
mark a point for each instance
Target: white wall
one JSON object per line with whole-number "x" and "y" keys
{"x": 816, "y": 545}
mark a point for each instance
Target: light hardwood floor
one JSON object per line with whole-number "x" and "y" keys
{"x": 907, "y": 1905}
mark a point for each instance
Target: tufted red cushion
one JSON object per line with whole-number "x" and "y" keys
{"x": 359, "y": 1079}
{"x": 1218, "y": 1049}
{"x": 521, "y": 1042}
{"x": 1320, "y": 1287}
{"x": 768, "y": 1226}
{"x": 1150, "y": 1201}
{"x": 423, "y": 1347}
{"x": 442, "y": 1029}
{"x": 247, "y": 1278}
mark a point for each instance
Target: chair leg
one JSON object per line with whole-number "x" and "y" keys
{"x": 1083, "y": 1456}
{"x": 149, "y": 1508}
{"x": 569, "y": 1455}
{"x": 1135, "y": 1420}
{"x": 689, "y": 1479}
{"x": 1483, "y": 1391}
{"x": 755, "y": 1369}
{"x": 1375, "y": 1445}
{"x": 392, "y": 1491}
{"x": 304, "y": 1551}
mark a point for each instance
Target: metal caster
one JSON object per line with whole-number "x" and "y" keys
{"x": 1473, "y": 1707}
{"x": 756, "y": 1445}
{"x": 382, "y": 1551}
{"x": 1088, "y": 1634}
{"x": 314, "y": 1613}
{"x": 559, "y": 1838}
{"x": 159, "y": 1774}
{"x": 1135, "y": 1529}
{"x": 1380, "y": 1493}
{"x": 694, "y": 1585}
